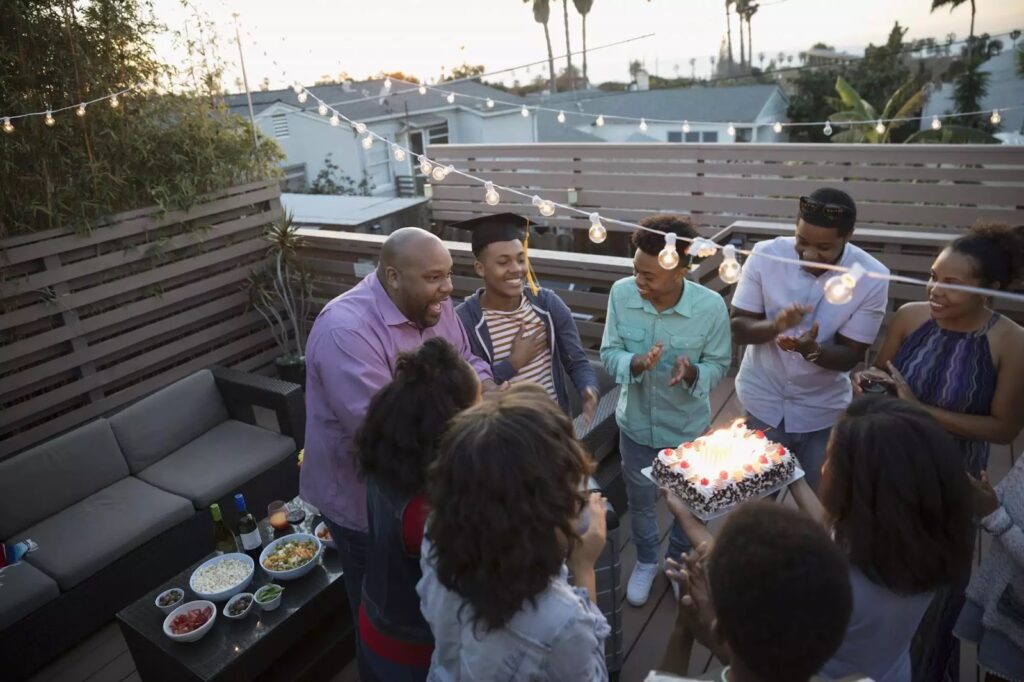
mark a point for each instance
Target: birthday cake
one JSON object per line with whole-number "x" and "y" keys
{"x": 725, "y": 467}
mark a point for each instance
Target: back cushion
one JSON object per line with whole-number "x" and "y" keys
{"x": 50, "y": 477}
{"x": 158, "y": 425}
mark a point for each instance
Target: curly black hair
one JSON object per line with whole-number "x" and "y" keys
{"x": 506, "y": 490}
{"x": 776, "y": 576}
{"x": 997, "y": 251}
{"x": 405, "y": 420}
{"x": 896, "y": 493}
{"x": 652, "y": 243}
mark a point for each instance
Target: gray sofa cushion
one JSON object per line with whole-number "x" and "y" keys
{"x": 219, "y": 461}
{"x": 87, "y": 536}
{"x": 23, "y": 589}
{"x": 158, "y": 425}
{"x": 44, "y": 480}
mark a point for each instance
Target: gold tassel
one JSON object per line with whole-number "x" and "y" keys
{"x": 531, "y": 279}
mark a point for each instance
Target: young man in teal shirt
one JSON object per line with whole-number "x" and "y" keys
{"x": 667, "y": 342}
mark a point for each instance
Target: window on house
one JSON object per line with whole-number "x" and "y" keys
{"x": 416, "y": 145}
{"x": 280, "y": 124}
{"x": 293, "y": 178}
{"x": 693, "y": 137}
{"x": 711, "y": 136}
{"x": 744, "y": 134}
{"x": 675, "y": 136}
{"x": 438, "y": 135}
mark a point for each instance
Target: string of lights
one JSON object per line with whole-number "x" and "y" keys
{"x": 114, "y": 98}
{"x": 839, "y": 288}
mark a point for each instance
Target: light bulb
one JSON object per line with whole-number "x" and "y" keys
{"x": 490, "y": 103}
{"x": 686, "y": 126}
{"x": 995, "y": 118}
{"x": 702, "y": 248}
{"x": 114, "y": 102}
{"x": 451, "y": 98}
{"x": 827, "y": 129}
{"x": 367, "y": 142}
{"x": 524, "y": 112}
{"x": 8, "y": 126}
{"x": 729, "y": 270}
{"x": 441, "y": 172}
{"x": 49, "y": 118}
{"x": 600, "y": 121}
{"x": 839, "y": 289}
{"x": 491, "y": 196}
{"x": 360, "y": 127}
{"x": 546, "y": 207}
{"x": 669, "y": 257}
{"x": 398, "y": 152}
{"x": 335, "y": 120}
{"x": 322, "y": 109}
{"x": 597, "y": 231}
{"x": 423, "y": 89}
{"x": 425, "y": 165}
{"x": 731, "y": 130}
{"x": 777, "y": 127}
{"x": 387, "y": 83}
{"x": 303, "y": 96}
{"x": 936, "y": 123}
{"x": 561, "y": 117}
{"x": 297, "y": 88}
{"x": 643, "y": 125}
{"x": 80, "y": 111}
{"x": 880, "y": 127}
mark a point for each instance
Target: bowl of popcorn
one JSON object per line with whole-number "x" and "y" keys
{"x": 222, "y": 577}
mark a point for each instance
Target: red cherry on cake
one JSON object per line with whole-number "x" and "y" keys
{"x": 759, "y": 434}
{"x": 781, "y": 450}
{"x": 763, "y": 459}
{"x": 687, "y": 445}
{"x": 748, "y": 467}
{"x": 704, "y": 481}
{"x": 684, "y": 464}
{"x": 724, "y": 475}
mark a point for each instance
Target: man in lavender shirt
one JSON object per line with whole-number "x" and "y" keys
{"x": 350, "y": 356}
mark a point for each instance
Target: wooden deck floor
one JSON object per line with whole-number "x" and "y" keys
{"x": 104, "y": 656}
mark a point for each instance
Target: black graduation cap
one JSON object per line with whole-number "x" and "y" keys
{"x": 500, "y": 227}
{"x": 495, "y": 227}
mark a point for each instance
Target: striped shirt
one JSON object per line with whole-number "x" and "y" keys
{"x": 503, "y": 327}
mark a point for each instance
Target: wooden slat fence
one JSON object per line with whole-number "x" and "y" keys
{"x": 91, "y": 323}
{"x": 905, "y": 187}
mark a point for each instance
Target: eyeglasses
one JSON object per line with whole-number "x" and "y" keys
{"x": 833, "y": 212}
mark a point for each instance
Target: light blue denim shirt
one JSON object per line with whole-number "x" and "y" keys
{"x": 650, "y": 412}
{"x": 559, "y": 638}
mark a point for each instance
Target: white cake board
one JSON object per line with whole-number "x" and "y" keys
{"x": 798, "y": 473}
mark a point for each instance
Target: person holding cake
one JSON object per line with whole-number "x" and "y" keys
{"x": 667, "y": 343}
{"x": 794, "y": 378}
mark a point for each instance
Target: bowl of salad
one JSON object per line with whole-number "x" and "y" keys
{"x": 291, "y": 556}
{"x": 223, "y": 576}
{"x": 189, "y": 622}
{"x": 324, "y": 534}
{"x": 268, "y": 597}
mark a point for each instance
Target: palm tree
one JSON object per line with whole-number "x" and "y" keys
{"x": 584, "y": 7}
{"x": 760, "y": 59}
{"x": 693, "y": 68}
{"x": 749, "y": 12}
{"x": 728, "y": 26}
{"x": 953, "y": 4}
{"x": 741, "y": 6}
{"x": 541, "y": 14}
{"x": 907, "y": 99}
{"x": 568, "y": 49}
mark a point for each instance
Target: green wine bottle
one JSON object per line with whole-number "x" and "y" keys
{"x": 224, "y": 540}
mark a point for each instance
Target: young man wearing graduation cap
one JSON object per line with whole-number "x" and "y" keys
{"x": 525, "y": 332}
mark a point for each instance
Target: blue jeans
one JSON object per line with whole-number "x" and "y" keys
{"x": 642, "y": 494}
{"x": 352, "y": 546}
{"x": 809, "y": 447}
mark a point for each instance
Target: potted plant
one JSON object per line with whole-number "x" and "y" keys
{"x": 281, "y": 292}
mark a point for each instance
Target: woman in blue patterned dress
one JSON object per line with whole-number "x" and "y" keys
{"x": 963, "y": 363}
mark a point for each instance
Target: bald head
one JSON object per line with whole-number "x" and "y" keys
{"x": 415, "y": 269}
{"x": 403, "y": 246}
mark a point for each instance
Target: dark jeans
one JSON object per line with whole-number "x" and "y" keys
{"x": 393, "y": 672}
{"x": 351, "y": 546}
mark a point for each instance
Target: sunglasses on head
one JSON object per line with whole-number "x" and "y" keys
{"x": 833, "y": 212}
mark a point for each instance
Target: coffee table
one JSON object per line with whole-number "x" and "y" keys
{"x": 309, "y": 636}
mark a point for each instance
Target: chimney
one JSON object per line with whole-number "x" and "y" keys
{"x": 643, "y": 80}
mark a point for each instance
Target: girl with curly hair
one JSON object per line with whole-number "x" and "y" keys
{"x": 507, "y": 501}
{"x": 396, "y": 445}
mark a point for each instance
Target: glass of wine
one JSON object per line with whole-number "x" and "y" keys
{"x": 277, "y": 515}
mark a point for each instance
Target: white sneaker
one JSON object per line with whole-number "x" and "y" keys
{"x": 640, "y": 582}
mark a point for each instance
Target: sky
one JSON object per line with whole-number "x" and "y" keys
{"x": 311, "y": 38}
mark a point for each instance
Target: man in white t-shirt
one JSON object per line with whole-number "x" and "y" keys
{"x": 794, "y": 378}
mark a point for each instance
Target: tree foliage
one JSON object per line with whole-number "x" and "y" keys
{"x": 167, "y": 142}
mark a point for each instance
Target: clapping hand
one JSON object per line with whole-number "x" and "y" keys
{"x": 694, "y": 607}
{"x": 683, "y": 370}
{"x": 803, "y": 344}
{"x": 585, "y": 553}
{"x": 642, "y": 363}
{"x": 791, "y": 316}
{"x": 590, "y": 399}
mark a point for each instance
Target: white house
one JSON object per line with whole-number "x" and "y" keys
{"x": 751, "y": 109}
{"x": 408, "y": 118}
